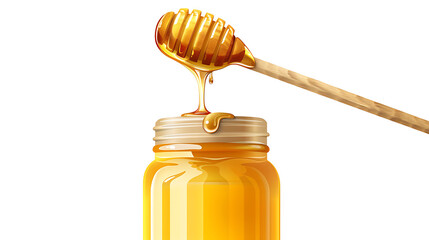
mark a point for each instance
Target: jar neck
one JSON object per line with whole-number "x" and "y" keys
{"x": 211, "y": 150}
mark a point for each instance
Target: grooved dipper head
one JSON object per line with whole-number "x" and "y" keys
{"x": 200, "y": 42}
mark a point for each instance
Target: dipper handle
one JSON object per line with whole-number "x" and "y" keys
{"x": 340, "y": 95}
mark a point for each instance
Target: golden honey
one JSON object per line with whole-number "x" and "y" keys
{"x": 210, "y": 179}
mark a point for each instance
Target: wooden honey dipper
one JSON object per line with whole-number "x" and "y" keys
{"x": 204, "y": 45}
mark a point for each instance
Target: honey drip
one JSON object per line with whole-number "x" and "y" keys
{"x": 202, "y": 45}
{"x": 201, "y": 77}
{"x": 211, "y": 122}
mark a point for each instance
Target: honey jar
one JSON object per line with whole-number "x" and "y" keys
{"x": 211, "y": 186}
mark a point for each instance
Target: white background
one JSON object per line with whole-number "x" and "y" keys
{"x": 82, "y": 84}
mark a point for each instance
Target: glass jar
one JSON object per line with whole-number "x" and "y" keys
{"x": 211, "y": 186}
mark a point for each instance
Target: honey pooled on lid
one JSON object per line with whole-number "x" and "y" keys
{"x": 202, "y": 45}
{"x": 211, "y": 122}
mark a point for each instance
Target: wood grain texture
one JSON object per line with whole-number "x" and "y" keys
{"x": 340, "y": 95}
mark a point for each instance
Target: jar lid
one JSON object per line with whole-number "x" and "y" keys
{"x": 189, "y": 129}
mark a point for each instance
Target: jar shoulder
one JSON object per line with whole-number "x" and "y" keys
{"x": 198, "y": 171}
